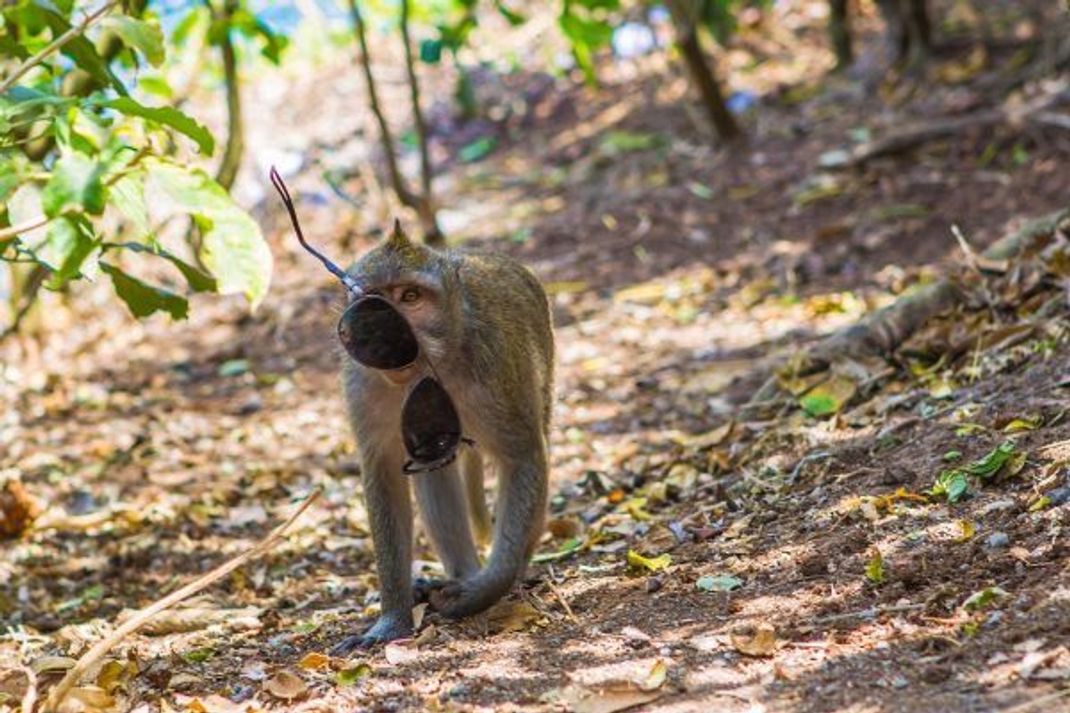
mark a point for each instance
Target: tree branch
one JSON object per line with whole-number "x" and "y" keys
{"x": 407, "y": 198}
{"x": 232, "y": 154}
{"x": 432, "y": 234}
{"x": 55, "y": 44}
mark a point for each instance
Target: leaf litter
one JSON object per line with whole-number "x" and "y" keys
{"x": 681, "y": 511}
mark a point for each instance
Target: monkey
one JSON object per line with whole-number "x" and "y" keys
{"x": 484, "y": 324}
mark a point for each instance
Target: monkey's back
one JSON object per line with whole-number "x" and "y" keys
{"x": 508, "y": 313}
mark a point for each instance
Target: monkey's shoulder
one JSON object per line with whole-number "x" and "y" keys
{"x": 494, "y": 270}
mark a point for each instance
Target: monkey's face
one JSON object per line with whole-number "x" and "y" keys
{"x": 419, "y": 301}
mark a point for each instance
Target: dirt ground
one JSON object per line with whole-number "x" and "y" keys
{"x": 702, "y": 555}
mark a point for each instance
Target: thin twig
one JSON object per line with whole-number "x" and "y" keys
{"x": 564, "y": 604}
{"x": 1038, "y": 703}
{"x": 417, "y": 113}
{"x": 870, "y": 613}
{"x": 29, "y": 699}
{"x": 386, "y": 138}
{"x": 25, "y": 226}
{"x": 135, "y": 622}
{"x": 56, "y": 44}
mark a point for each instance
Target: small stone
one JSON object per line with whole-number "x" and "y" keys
{"x": 997, "y": 541}
{"x": 654, "y": 584}
{"x": 1059, "y": 495}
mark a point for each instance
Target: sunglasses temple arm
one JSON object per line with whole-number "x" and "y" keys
{"x": 349, "y": 283}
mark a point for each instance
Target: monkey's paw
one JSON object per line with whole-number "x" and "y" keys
{"x": 386, "y": 629}
{"x": 460, "y": 598}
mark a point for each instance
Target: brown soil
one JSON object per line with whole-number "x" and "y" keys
{"x": 681, "y": 272}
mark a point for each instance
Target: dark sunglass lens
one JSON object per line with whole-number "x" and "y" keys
{"x": 430, "y": 426}
{"x": 376, "y": 335}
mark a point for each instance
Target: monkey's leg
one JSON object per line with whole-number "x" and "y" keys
{"x": 521, "y": 509}
{"x": 472, "y": 472}
{"x": 441, "y": 497}
{"x": 386, "y": 496}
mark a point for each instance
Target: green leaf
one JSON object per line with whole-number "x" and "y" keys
{"x": 128, "y": 195}
{"x": 568, "y": 548}
{"x": 144, "y": 36}
{"x": 349, "y": 676}
{"x": 829, "y": 396}
{"x": 875, "y": 568}
{"x": 618, "y": 142}
{"x": 719, "y": 583}
{"x": 478, "y": 149}
{"x": 952, "y": 484}
{"x": 981, "y": 599}
{"x": 142, "y": 298}
{"x": 70, "y": 242}
{"x": 75, "y": 183}
{"x": 651, "y": 564}
{"x": 199, "y": 655}
{"x": 585, "y": 36}
{"x": 234, "y": 367}
{"x": 251, "y": 26}
{"x": 197, "y": 280}
{"x": 431, "y": 51}
{"x": 992, "y": 462}
{"x": 80, "y": 50}
{"x": 232, "y": 247}
{"x": 511, "y": 16}
{"x": 164, "y": 116}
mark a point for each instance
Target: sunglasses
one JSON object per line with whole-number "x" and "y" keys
{"x": 375, "y": 334}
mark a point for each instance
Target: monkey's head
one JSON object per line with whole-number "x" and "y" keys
{"x": 421, "y": 283}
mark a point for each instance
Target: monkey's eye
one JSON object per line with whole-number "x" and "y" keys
{"x": 410, "y": 295}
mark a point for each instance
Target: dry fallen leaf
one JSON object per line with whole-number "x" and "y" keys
{"x": 314, "y": 661}
{"x": 286, "y": 685}
{"x": 401, "y": 651}
{"x": 178, "y": 621}
{"x": 511, "y": 616}
{"x": 763, "y": 643}
{"x": 626, "y": 687}
{"x": 584, "y": 700}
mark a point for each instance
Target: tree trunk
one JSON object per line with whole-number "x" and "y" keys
{"x": 840, "y": 33}
{"x": 685, "y": 15}
{"x": 232, "y": 154}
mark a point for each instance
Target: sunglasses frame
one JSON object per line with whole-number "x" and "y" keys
{"x": 414, "y": 465}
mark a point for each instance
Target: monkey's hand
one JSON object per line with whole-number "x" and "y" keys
{"x": 386, "y": 629}
{"x": 460, "y": 598}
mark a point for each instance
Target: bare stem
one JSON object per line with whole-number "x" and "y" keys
{"x": 232, "y": 154}
{"x": 407, "y": 198}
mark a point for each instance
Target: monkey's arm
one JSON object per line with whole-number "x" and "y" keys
{"x": 520, "y": 513}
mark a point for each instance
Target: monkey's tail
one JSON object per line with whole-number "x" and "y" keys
{"x": 472, "y": 472}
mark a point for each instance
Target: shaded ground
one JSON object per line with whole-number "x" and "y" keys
{"x": 680, "y": 274}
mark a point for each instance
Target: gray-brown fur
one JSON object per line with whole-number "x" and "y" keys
{"x": 484, "y": 322}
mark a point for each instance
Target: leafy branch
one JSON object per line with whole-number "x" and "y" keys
{"x": 75, "y": 31}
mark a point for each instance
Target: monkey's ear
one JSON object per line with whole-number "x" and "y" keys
{"x": 398, "y": 238}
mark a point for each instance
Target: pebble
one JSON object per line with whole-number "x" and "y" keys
{"x": 997, "y": 540}
{"x": 1059, "y": 495}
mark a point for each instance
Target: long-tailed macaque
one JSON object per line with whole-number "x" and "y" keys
{"x": 483, "y": 323}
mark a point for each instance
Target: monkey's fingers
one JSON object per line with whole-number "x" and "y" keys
{"x": 423, "y": 589}
{"x": 385, "y": 629}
